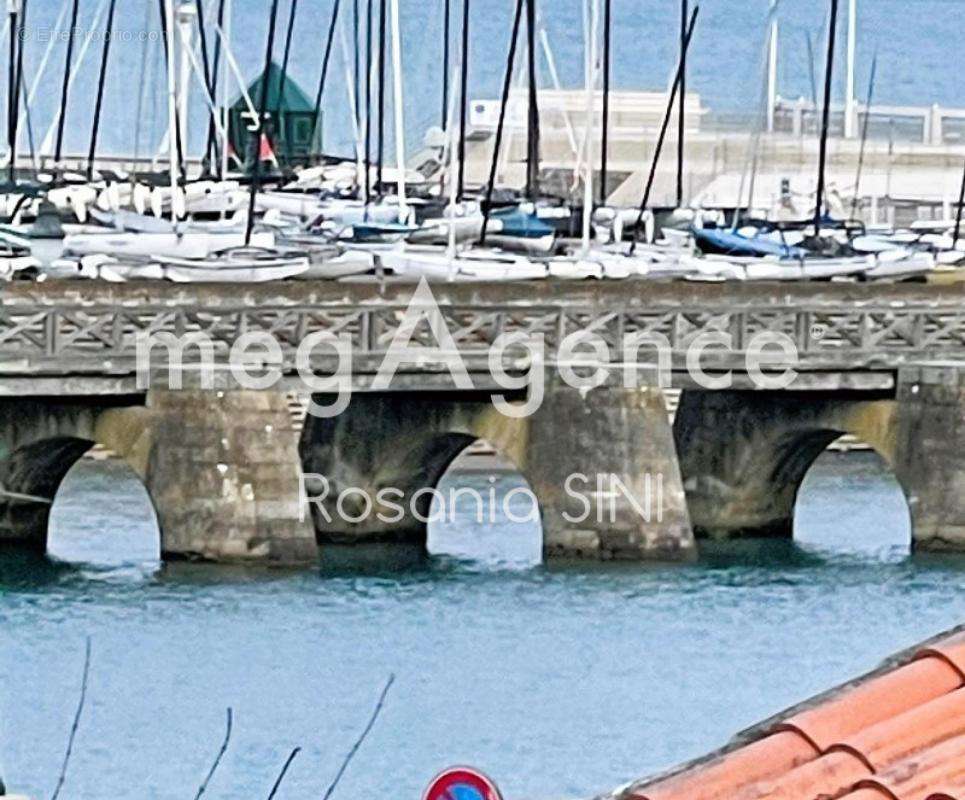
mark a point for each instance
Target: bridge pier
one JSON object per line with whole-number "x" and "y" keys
{"x": 930, "y": 453}
{"x": 222, "y": 469}
{"x": 225, "y": 476}
{"x": 604, "y": 467}
{"x": 601, "y": 465}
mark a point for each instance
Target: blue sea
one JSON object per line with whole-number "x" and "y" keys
{"x": 561, "y": 681}
{"x": 918, "y": 43}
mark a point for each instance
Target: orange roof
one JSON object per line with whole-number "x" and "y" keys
{"x": 895, "y": 734}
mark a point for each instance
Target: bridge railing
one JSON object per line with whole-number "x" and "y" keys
{"x": 63, "y": 340}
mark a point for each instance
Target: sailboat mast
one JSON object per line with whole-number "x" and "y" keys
{"x": 681, "y": 113}
{"x": 399, "y": 107}
{"x": 225, "y": 27}
{"x": 532, "y": 128}
{"x": 13, "y": 88}
{"x": 321, "y": 81}
{"x": 446, "y": 24}
{"x": 590, "y": 69}
{"x": 101, "y": 81}
{"x": 849, "y": 111}
{"x": 825, "y": 117}
{"x": 283, "y": 77}
{"x": 663, "y": 130}
{"x": 368, "y": 101}
{"x": 500, "y": 125}
{"x": 605, "y": 137}
{"x": 958, "y": 215}
{"x": 174, "y": 139}
{"x": 65, "y": 89}
{"x": 864, "y": 134}
{"x": 166, "y": 8}
{"x": 381, "y": 140}
{"x": 206, "y": 64}
{"x": 211, "y": 148}
{"x": 262, "y": 118}
{"x": 464, "y": 102}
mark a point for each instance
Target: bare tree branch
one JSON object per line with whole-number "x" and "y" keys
{"x": 217, "y": 760}
{"x": 284, "y": 769}
{"x": 365, "y": 733}
{"x": 73, "y": 728}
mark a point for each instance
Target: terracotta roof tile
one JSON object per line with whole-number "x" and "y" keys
{"x": 919, "y": 776}
{"x": 770, "y": 757}
{"x": 898, "y": 734}
{"x": 899, "y": 737}
{"x": 952, "y": 649}
{"x": 879, "y": 699}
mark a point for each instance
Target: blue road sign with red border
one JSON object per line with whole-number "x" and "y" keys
{"x": 461, "y": 783}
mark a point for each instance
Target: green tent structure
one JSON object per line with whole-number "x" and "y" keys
{"x": 290, "y": 115}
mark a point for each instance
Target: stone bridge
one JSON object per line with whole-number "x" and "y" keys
{"x": 232, "y": 478}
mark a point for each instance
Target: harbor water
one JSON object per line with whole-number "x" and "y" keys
{"x": 559, "y": 680}
{"x": 917, "y": 45}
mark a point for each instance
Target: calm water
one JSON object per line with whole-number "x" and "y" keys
{"x": 559, "y": 681}
{"x": 918, "y": 42}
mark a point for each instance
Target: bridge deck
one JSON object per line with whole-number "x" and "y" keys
{"x": 75, "y": 338}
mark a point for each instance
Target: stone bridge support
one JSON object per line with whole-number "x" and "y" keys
{"x": 576, "y": 451}
{"x": 745, "y": 454}
{"x": 930, "y": 452}
{"x": 222, "y": 469}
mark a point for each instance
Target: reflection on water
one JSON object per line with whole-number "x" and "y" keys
{"x": 560, "y": 681}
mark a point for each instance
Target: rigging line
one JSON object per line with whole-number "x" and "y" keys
{"x": 206, "y": 77}
{"x": 144, "y": 80}
{"x": 663, "y": 133}
{"x": 825, "y": 118}
{"x": 262, "y": 112}
{"x": 681, "y": 113}
{"x": 215, "y": 76}
{"x": 65, "y": 89}
{"x": 101, "y": 81}
{"x": 533, "y": 132}
{"x": 321, "y": 81}
{"x": 507, "y": 83}
{"x": 16, "y": 73}
{"x": 605, "y": 132}
{"x": 88, "y": 40}
{"x": 864, "y": 134}
{"x": 381, "y": 100}
{"x": 464, "y": 100}
{"x": 446, "y": 25}
{"x": 280, "y": 132}
{"x": 368, "y": 102}
{"x": 169, "y": 56}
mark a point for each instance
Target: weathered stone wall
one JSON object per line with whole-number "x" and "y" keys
{"x": 225, "y": 476}
{"x": 631, "y": 504}
{"x": 930, "y": 453}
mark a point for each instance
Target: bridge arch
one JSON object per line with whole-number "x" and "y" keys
{"x": 745, "y": 454}
{"x": 40, "y": 442}
{"x": 852, "y": 501}
{"x": 484, "y": 509}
